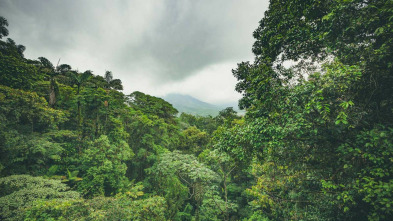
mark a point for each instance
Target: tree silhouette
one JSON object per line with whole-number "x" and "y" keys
{"x": 112, "y": 83}
{"x": 3, "y": 27}
{"x": 19, "y": 48}
{"x": 47, "y": 67}
{"x": 79, "y": 79}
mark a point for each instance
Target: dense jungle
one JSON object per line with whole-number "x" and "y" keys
{"x": 316, "y": 142}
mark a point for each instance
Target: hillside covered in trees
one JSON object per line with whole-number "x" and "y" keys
{"x": 190, "y": 105}
{"x": 316, "y": 142}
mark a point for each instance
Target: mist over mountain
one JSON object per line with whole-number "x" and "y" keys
{"x": 191, "y": 105}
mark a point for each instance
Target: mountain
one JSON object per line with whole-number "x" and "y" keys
{"x": 191, "y": 105}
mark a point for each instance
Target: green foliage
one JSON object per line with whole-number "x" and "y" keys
{"x": 3, "y": 25}
{"x": 30, "y": 153}
{"x": 233, "y": 182}
{"x": 19, "y": 107}
{"x": 367, "y": 163}
{"x": 93, "y": 111}
{"x": 235, "y": 141}
{"x": 187, "y": 168}
{"x": 315, "y": 144}
{"x": 100, "y": 208}
{"x": 150, "y": 136}
{"x": 112, "y": 83}
{"x": 193, "y": 174}
{"x": 57, "y": 209}
{"x": 15, "y": 72}
{"x": 195, "y": 141}
{"x": 214, "y": 207}
{"x": 103, "y": 167}
{"x": 123, "y": 206}
{"x": 227, "y": 116}
{"x": 152, "y": 106}
{"x": 174, "y": 192}
{"x": 310, "y": 128}
{"x": 18, "y": 192}
{"x": 207, "y": 124}
{"x": 80, "y": 129}
{"x": 25, "y": 121}
{"x": 257, "y": 216}
{"x": 307, "y": 125}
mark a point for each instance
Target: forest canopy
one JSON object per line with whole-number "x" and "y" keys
{"x": 316, "y": 142}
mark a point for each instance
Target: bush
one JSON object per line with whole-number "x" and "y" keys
{"x": 18, "y": 192}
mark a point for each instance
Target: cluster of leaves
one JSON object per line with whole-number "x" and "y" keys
{"x": 18, "y": 192}
{"x": 99, "y": 208}
{"x": 317, "y": 130}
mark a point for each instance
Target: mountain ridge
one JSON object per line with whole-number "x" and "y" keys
{"x": 191, "y": 105}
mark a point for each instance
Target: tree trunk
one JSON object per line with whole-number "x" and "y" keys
{"x": 52, "y": 96}
{"x": 79, "y": 109}
{"x": 96, "y": 125}
{"x": 226, "y": 198}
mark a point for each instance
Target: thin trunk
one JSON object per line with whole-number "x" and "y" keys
{"x": 52, "y": 97}
{"x": 226, "y": 215}
{"x": 97, "y": 125}
{"x": 106, "y": 104}
{"x": 52, "y": 93}
{"x": 106, "y": 114}
{"x": 79, "y": 109}
{"x": 197, "y": 212}
{"x": 79, "y": 115}
{"x": 226, "y": 198}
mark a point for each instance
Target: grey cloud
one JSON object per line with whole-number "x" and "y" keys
{"x": 195, "y": 34}
{"x": 166, "y": 41}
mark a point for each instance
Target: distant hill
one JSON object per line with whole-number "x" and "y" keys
{"x": 191, "y": 105}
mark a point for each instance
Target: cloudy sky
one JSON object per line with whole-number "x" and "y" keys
{"x": 157, "y": 47}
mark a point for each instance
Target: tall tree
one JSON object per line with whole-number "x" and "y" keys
{"x": 112, "y": 83}
{"x": 312, "y": 124}
{"x": 80, "y": 79}
{"x": 47, "y": 67}
{"x": 3, "y": 27}
{"x": 152, "y": 105}
{"x": 19, "y": 48}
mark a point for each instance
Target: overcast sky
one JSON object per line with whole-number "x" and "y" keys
{"x": 157, "y": 47}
